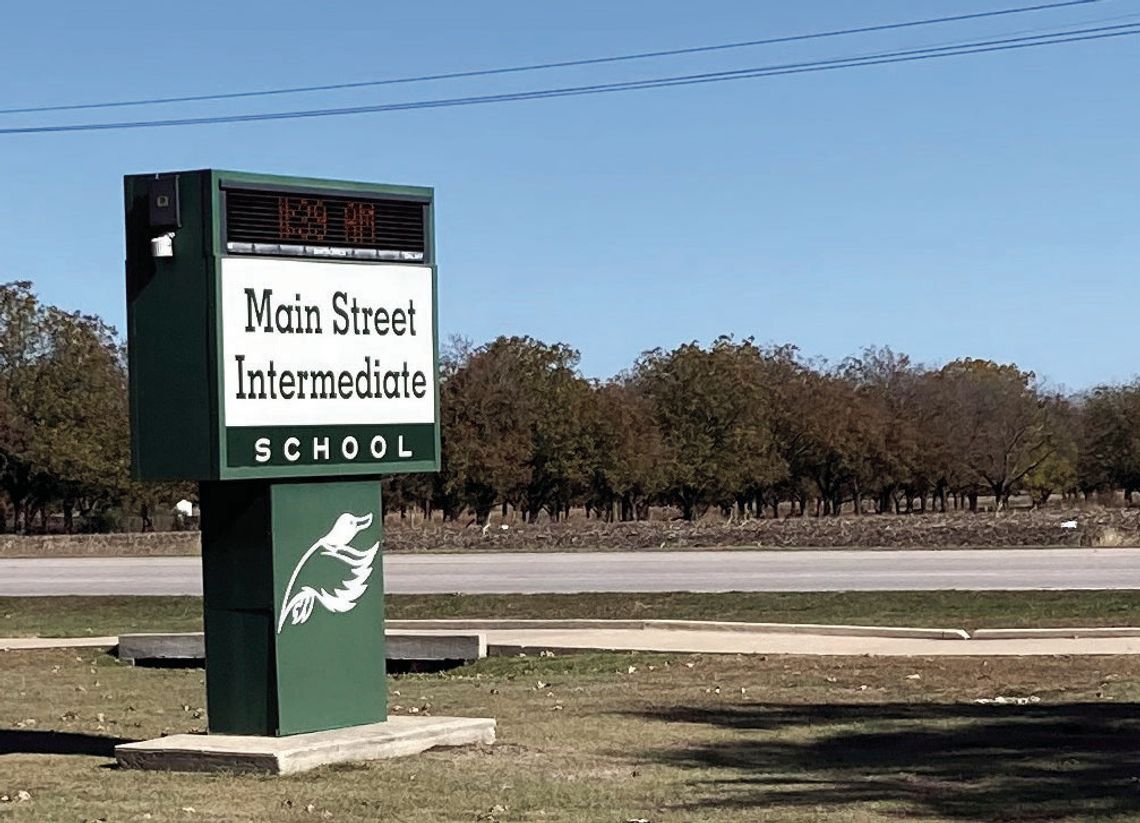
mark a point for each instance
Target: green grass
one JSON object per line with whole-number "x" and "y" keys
{"x": 87, "y": 616}
{"x": 953, "y": 609}
{"x": 97, "y": 616}
{"x": 604, "y": 737}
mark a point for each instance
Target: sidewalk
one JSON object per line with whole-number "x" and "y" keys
{"x": 510, "y": 641}
{"x": 16, "y": 643}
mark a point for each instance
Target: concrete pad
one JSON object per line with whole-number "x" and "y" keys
{"x": 396, "y": 737}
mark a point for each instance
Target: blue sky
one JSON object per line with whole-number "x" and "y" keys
{"x": 983, "y": 206}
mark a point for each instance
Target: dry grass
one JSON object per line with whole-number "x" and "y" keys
{"x": 118, "y": 544}
{"x": 1111, "y": 537}
{"x": 1101, "y": 527}
{"x": 1042, "y": 528}
{"x": 620, "y": 738}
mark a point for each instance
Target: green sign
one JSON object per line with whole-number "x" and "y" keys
{"x": 280, "y": 327}
{"x": 329, "y": 605}
{"x": 283, "y": 346}
{"x": 294, "y": 601}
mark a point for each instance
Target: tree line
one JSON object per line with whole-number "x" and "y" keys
{"x": 734, "y": 426}
{"x": 760, "y": 431}
{"x": 64, "y": 422}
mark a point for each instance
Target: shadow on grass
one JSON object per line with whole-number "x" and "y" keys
{"x": 21, "y": 741}
{"x": 963, "y": 762}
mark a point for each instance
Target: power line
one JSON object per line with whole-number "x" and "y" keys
{"x": 882, "y": 58}
{"x": 197, "y": 98}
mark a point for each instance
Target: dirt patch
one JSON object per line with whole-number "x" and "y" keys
{"x": 1098, "y": 528}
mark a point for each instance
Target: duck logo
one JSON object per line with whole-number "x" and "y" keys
{"x": 331, "y": 573}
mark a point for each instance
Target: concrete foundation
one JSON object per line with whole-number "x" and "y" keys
{"x": 424, "y": 646}
{"x": 397, "y": 737}
{"x": 143, "y": 648}
{"x": 409, "y": 646}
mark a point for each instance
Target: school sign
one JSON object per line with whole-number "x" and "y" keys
{"x": 284, "y": 327}
{"x": 327, "y": 364}
{"x": 283, "y": 353}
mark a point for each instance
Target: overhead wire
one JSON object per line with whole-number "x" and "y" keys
{"x": 874, "y": 59}
{"x": 590, "y": 61}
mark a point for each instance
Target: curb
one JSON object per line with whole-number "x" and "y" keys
{"x": 496, "y": 623}
{"x": 687, "y": 625}
{"x": 1056, "y": 633}
{"x": 818, "y": 629}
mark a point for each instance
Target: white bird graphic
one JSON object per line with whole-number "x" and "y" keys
{"x": 299, "y": 605}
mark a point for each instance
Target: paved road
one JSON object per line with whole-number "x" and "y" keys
{"x": 702, "y": 571}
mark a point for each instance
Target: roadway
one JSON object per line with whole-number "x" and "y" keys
{"x": 698, "y": 571}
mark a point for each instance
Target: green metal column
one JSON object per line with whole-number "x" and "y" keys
{"x": 294, "y": 605}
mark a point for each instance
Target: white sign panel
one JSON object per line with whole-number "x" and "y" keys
{"x": 314, "y": 342}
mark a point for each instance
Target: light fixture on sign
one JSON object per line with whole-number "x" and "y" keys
{"x": 163, "y": 245}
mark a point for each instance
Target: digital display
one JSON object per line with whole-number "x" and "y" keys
{"x": 294, "y": 223}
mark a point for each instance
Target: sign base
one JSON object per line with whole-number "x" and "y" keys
{"x": 397, "y": 737}
{"x": 294, "y": 605}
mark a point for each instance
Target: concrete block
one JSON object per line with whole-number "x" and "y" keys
{"x": 176, "y": 646}
{"x": 401, "y": 645}
{"x": 396, "y": 737}
{"x": 409, "y": 645}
